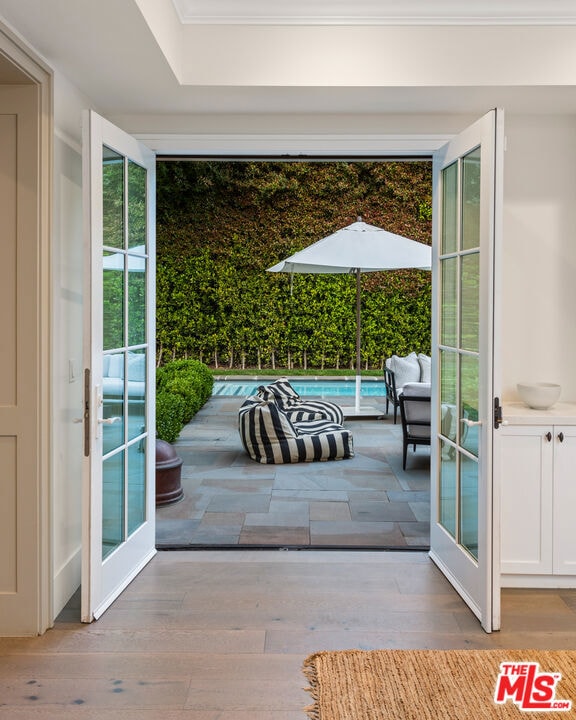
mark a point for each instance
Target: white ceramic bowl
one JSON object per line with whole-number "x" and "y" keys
{"x": 539, "y": 396}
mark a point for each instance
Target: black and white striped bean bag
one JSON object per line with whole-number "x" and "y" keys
{"x": 297, "y": 410}
{"x": 270, "y": 437}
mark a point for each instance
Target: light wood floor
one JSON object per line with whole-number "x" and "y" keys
{"x": 221, "y": 635}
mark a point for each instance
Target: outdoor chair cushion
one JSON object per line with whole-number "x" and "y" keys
{"x": 295, "y": 408}
{"x": 406, "y": 369}
{"x": 270, "y": 437}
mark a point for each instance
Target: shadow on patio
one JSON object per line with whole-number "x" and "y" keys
{"x": 230, "y": 501}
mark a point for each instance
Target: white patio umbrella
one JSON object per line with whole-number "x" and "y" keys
{"x": 355, "y": 249}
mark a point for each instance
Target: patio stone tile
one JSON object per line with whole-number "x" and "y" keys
{"x": 415, "y": 529}
{"x": 246, "y": 502}
{"x": 222, "y": 518}
{"x": 310, "y": 495}
{"x": 380, "y": 511}
{"x": 276, "y": 519}
{"x": 329, "y": 511}
{"x": 171, "y": 531}
{"x": 421, "y": 511}
{"x": 256, "y": 535}
{"x": 289, "y": 505}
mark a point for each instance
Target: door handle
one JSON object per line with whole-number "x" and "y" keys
{"x": 109, "y": 421}
{"x": 470, "y": 423}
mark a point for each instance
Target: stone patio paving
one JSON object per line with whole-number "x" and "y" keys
{"x": 231, "y": 501}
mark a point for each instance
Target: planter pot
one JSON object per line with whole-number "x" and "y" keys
{"x": 168, "y": 474}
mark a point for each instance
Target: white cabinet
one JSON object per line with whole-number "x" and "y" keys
{"x": 537, "y": 471}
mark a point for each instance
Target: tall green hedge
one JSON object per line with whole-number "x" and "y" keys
{"x": 221, "y": 224}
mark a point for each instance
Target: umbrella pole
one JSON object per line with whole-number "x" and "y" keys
{"x": 358, "y": 332}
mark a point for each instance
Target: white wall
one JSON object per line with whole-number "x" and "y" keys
{"x": 67, "y": 365}
{"x": 539, "y": 253}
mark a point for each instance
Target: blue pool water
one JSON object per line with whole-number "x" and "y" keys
{"x": 315, "y": 388}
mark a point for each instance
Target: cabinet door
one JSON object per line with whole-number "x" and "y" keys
{"x": 526, "y": 464}
{"x": 564, "y": 532}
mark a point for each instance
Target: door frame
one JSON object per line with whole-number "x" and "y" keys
{"x": 39, "y": 556}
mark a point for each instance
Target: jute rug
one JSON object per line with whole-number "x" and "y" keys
{"x": 441, "y": 685}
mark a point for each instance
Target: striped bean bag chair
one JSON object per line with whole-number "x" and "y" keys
{"x": 270, "y": 437}
{"x": 295, "y": 408}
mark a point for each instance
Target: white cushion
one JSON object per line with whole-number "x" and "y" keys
{"x": 425, "y": 363}
{"x": 116, "y": 366}
{"x": 405, "y": 369}
{"x": 137, "y": 367}
{"x": 417, "y": 388}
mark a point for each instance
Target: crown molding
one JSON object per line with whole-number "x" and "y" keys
{"x": 376, "y": 12}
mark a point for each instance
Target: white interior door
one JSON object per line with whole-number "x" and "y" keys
{"x": 119, "y": 435}
{"x": 464, "y": 526}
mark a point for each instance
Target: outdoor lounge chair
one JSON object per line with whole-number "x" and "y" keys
{"x": 398, "y": 371}
{"x": 415, "y": 413}
{"x": 269, "y": 436}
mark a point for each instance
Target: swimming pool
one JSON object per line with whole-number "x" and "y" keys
{"x": 318, "y": 387}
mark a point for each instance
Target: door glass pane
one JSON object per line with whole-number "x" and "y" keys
{"x": 136, "y": 300}
{"x": 470, "y": 302}
{"x": 471, "y": 200}
{"x": 136, "y": 387}
{"x": 450, "y": 209}
{"x": 469, "y": 394}
{"x": 112, "y": 503}
{"x": 113, "y": 300}
{"x": 448, "y": 393}
{"x": 447, "y": 488}
{"x": 113, "y": 401}
{"x": 449, "y": 310}
{"x": 113, "y": 198}
{"x": 469, "y": 504}
{"x": 136, "y": 485}
{"x": 136, "y": 206}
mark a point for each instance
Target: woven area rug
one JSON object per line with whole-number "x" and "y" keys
{"x": 441, "y": 684}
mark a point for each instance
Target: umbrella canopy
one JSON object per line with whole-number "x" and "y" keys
{"x": 358, "y": 248}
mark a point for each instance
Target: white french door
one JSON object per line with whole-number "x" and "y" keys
{"x": 119, "y": 350}
{"x": 467, "y": 210}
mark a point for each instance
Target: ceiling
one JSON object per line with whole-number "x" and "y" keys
{"x": 147, "y": 59}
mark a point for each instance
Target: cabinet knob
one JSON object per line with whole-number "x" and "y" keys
{"x": 548, "y": 436}
{"x": 561, "y": 436}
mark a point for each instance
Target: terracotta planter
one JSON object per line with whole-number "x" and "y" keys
{"x": 168, "y": 474}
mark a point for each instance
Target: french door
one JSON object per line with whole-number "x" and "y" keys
{"x": 119, "y": 351}
{"x": 464, "y": 527}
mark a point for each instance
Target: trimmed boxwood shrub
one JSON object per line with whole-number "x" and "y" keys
{"x": 182, "y": 388}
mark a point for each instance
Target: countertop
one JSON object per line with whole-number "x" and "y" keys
{"x": 517, "y": 413}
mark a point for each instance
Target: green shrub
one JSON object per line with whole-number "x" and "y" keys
{"x": 169, "y": 416}
{"x": 182, "y": 388}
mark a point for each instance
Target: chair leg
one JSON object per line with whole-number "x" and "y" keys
{"x": 404, "y": 453}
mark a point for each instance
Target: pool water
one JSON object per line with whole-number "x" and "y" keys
{"x": 315, "y": 388}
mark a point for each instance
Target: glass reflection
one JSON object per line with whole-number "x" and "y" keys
{"x": 113, "y": 300}
{"x": 471, "y": 200}
{"x": 450, "y": 209}
{"x": 136, "y": 205}
{"x": 470, "y": 302}
{"x": 448, "y": 488}
{"x": 113, "y": 503}
{"x": 469, "y": 401}
{"x": 469, "y": 504}
{"x": 136, "y": 485}
{"x": 113, "y": 401}
{"x": 136, "y": 388}
{"x": 113, "y": 198}
{"x": 449, "y": 309}
{"x": 136, "y": 300}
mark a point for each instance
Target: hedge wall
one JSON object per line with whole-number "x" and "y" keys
{"x": 221, "y": 224}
